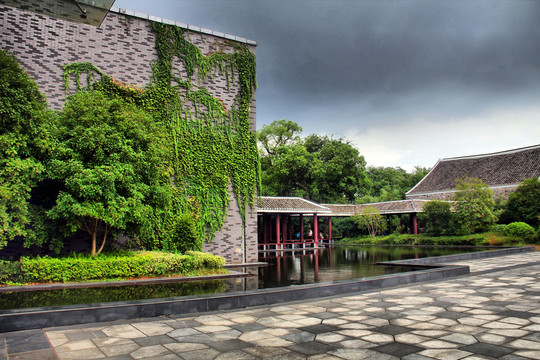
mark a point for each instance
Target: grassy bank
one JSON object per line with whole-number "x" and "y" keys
{"x": 114, "y": 266}
{"x": 484, "y": 239}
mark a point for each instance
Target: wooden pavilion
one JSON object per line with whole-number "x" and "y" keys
{"x": 282, "y": 225}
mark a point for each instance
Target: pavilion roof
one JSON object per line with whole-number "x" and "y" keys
{"x": 506, "y": 168}
{"x": 294, "y": 205}
{"x": 387, "y": 207}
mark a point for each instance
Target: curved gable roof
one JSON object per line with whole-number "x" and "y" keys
{"x": 283, "y": 204}
{"x": 496, "y": 169}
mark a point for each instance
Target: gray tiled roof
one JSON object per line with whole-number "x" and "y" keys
{"x": 387, "y": 207}
{"x": 497, "y": 169}
{"x": 295, "y": 205}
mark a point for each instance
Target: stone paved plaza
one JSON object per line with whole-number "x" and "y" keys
{"x": 493, "y": 313}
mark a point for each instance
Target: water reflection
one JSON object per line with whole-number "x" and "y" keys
{"x": 284, "y": 269}
{"x": 338, "y": 263}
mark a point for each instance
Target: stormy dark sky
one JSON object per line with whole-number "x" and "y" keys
{"x": 407, "y": 82}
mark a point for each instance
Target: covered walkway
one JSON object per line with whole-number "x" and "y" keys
{"x": 399, "y": 207}
{"x": 282, "y": 224}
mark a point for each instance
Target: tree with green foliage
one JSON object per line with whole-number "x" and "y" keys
{"x": 23, "y": 111}
{"x": 319, "y": 168}
{"x": 474, "y": 205}
{"x": 339, "y": 172}
{"x": 279, "y": 133}
{"x": 291, "y": 173}
{"x": 389, "y": 183}
{"x": 371, "y": 220}
{"x": 437, "y": 217}
{"x": 524, "y": 203}
{"x": 113, "y": 167}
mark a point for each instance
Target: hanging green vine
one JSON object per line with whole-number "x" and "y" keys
{"x": 213, "y": 147}
{"x": 77, "y": 69}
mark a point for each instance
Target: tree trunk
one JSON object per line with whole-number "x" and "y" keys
{"x": 92, "y": 227}
{"x": 93, "y": 251}
{"x": 104, "y": 238}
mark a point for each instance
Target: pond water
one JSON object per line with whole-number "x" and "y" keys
{"x": 342, "y": 263}
{"x": 311, "y": 266}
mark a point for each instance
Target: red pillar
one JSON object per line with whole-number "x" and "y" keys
{"x": 278, "y": 230}
{"x": 302, "y": 228}
{"x": 316, "y": 228}
{"x": 285, "y": 232}
{"x": 414, "y": 224}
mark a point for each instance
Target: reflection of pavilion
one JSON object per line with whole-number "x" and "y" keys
{"x": 282, "y": 221}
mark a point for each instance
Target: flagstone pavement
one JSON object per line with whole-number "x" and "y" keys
{"x": 493, "y": 313}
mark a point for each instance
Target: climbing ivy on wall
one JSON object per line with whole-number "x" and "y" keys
{"x": 212, "y": 146}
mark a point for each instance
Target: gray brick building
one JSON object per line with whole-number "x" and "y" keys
{"x": 122, "y": 47}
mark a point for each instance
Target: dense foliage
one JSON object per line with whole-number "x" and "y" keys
{"x": 152, "y": 163}
{"x": 371, "y": 220}
{"x": 111, "y": 266}
{"x": 324, "y": 169}
{"x": 524, "y": 203}
{"x": 437, "y": 217}
{"x": 319, "y": 168}
{"x": 520, "y": 230}
{"x": 388, "y": 183}
{"x": 112, "y": 167}
{"x": 474, "y": 205}
{"x": 22, "y": 114}
{"x": 483, "y": 239}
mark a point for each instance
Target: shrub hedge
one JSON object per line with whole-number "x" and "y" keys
{"x": 105, "y": 266}
{"x": 520, "y": 230}
{"x": 483, "y": 239}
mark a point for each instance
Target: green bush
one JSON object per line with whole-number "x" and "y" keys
{"x": 436, "y": 216}
{"x": 520, "y": 230}
{"x": 10, "y": 272}
{"x": 106, "y": 266}
{"x": 185, "y": 236}
{"x": 483, "y": 239}
{"x": 498, "y": 228}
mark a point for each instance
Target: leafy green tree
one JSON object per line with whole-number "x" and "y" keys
{"x": 319, "y": 168}
{"x": 278, "y": 133}
{"x": 113, "y": 168}
{"x": 389, "y": 183}
{"x": 371, "y": 220}
{"x": 524, "y": 203}
{"x": 437, "y": 217}
{"x": 291, "y": 173}
{"x": 474, "y": 205}
{"x": 339, "y": 172}
{"x": 22, "y": 114}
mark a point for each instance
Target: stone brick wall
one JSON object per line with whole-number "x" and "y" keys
{"x": 123, "y": 48}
